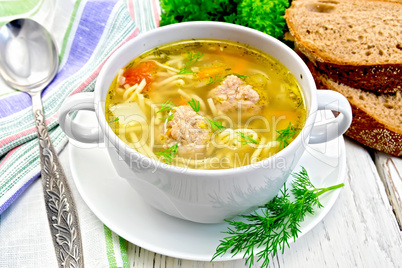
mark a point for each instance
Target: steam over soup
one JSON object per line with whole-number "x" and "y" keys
{"x": 206, "y": 104}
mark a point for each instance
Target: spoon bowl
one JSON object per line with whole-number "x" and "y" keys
{"x": 29, "y": 62}
{"x": 28, "y": 55}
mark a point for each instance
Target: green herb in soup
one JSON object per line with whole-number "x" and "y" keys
{"x": 206, "y": 104}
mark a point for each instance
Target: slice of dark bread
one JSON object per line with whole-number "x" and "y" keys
{"x": 377, "y": 119}
{"x": 358, "y": 43}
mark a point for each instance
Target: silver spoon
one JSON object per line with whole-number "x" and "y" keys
{"x": 29, "y": 62}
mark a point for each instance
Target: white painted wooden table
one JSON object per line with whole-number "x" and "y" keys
{"x": 361, "y": 230}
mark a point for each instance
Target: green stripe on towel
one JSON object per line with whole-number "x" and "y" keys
{"x": 123, "y": 250}
{"x": 68, "y": 31}
{"x": 109, "y": 247}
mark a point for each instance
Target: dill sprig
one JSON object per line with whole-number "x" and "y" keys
{"x": 167, "y": 118}
{"x": 285, "y": 135}
{"x": 215, "y": 79}
{"x": 218, "y": 78}
{"x": 215, "y": 125}
{"x": 278, "y": 221}
{"x": 168, "y": 105}
{"x": 195, "y": 105}
{"x": 240, "y": 75}
{"x": 116, "y": 119}
{"x": 192, "y": 59}
{"x": 169, "y": 154}
{"x": 244, "y": 139}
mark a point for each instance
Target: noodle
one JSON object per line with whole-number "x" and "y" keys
{"x": 133, "y": 144}
{"x": 152, "y": 135}
{"x": 141, "y": 102}
{"x": 257, "y": 152}
{"x": 126, "y": 128}
{"x": 144, "y": 149}
{"x": 175, "y": 60}
{"x": 232, "y": 140}
{"x": 163, "y": 74}
{"x": 196, "y": 95}
{"x": 166, "y": 67}
{"x": 119, "y": 77}
{"x": 148, "y": 102}
{"x": 212, "y": 106}
{"x": 136, "y": 92}
{"x": 141, "y": 86}
{"x": 184, "y": 95}
{"x": 128, "y": 92}
{"x": 169, "y": 80}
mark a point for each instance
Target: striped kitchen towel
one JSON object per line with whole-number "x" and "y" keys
{"x": 96, "y": 29}
{"x": 86, "y": 32}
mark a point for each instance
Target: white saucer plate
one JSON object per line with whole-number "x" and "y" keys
{"x": 120, "y": 208}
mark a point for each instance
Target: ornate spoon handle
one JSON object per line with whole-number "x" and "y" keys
{"x": 59, "y": 202}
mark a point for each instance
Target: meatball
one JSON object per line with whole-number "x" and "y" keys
{"x": 189, "y": 129}
{"x": 232, "y": 93}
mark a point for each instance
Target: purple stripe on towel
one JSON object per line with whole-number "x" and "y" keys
{"x": 5, "y": 205}
{"x": 91, "y": 26}
{"x": 89, "y": 31}
{"x": 14, "y": 103}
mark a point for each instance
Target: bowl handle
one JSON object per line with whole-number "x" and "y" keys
{"x": 79, "y": 132}
{"x": 334, "y": 101}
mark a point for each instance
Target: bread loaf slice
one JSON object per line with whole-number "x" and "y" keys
{"x": 358, "y": 43}
{"x": 377, "y": 119}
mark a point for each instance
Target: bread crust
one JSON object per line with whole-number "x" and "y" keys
{"x": 346, "y": 48}
{"x": 329, "y": 19}
{"x": 373, "y": 134}
{"x": 365, "y": 128}
{"x": 379, "y": 79}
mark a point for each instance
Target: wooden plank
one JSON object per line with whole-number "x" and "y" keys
{"x": 359, "y": 231}
{"x": 390, "y": 171}
{"x": 142, "y": 258}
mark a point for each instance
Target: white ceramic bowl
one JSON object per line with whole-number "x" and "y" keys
{"x": 205, "y": 196}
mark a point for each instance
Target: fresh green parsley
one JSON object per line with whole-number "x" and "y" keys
{"x": 285, "y": 135}
{"x": 274, "y": 224}
{"x": 195, "y": 105}
{"x": 264, "y": 15}
{"x": 244, "y": 139}
{"x": 169, "y": 154}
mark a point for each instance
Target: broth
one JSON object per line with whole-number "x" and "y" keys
{"x": 206, "y": 104}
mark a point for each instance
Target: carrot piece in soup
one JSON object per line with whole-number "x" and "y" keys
{"x": 211, "y": 71}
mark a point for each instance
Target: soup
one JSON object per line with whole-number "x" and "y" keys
{"x": 206, "y": 104}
